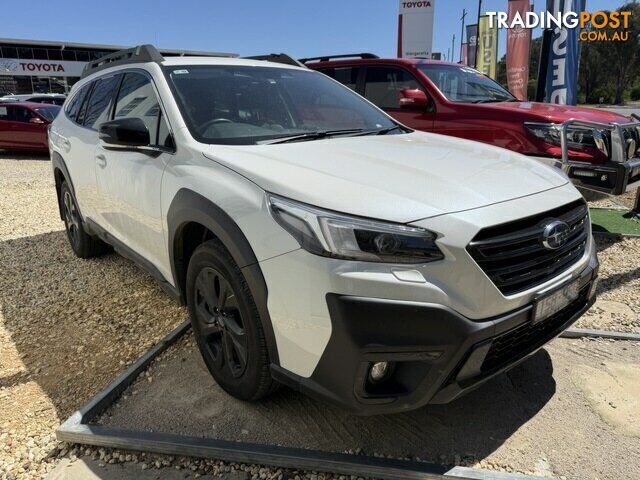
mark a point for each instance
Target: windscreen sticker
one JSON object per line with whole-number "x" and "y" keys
{"x": 180, "y": 72}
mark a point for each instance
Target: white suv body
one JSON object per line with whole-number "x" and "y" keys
{"x": 380, "y": 271}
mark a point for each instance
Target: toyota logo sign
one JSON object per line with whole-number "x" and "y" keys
{"x": 555, "y": 235}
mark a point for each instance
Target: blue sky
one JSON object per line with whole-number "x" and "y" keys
{"x": 300, "y": 28}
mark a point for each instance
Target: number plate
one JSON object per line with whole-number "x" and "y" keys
{"x": 547, "y": 305}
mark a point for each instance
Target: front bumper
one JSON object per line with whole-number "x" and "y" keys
{"x": 437, "y": 353}
{"x": 614, "y": 178}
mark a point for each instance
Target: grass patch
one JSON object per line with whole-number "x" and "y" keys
{"x": 614, "y": 221}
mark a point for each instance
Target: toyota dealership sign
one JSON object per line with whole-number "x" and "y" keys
{"x": 415, "y": 28}
{"x": 40, "y": 68}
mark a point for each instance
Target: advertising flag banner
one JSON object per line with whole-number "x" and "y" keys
{"x": 487, "y": 61}
{"x": 518, "y": 47}
{"x": 463, "y": 54}
{"x": 415, "y": 28}
{"x": 564, "y": 56}
{"x": 472, "y": 38}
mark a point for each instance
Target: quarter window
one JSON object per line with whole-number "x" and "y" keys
{"x": 100, "y": 100}
{"x": 137, "y": 99}
{"x": 383, "y": 85}
{"x": 73, "y": 107}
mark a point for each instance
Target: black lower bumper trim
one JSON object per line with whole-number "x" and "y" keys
{"x": 436, "y": 353}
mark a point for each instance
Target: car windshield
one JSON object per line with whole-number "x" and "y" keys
{"x": 466, "y": 85}
{"x": 245, "y": 105}
{"x": 49, "y": 112}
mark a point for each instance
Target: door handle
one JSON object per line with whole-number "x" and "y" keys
{"x": 101, "y": 160}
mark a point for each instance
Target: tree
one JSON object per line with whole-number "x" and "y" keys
{"x": 620, "y": 60}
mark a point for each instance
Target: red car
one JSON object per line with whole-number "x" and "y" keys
{"x": 597, "y": 149}
{"x": 23, "y": 125}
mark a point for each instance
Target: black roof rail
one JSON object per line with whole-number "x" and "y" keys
{"x": 277, "y": 58}
{"x": 326, "y": 58}
{"x": 139, "y": 54}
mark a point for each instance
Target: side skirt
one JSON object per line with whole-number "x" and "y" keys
{"x": 94, "y": 229}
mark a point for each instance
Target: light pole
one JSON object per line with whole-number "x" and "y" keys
{"x": 478, "y": 34}
{"x": 464, "y": 14}
{"x": 453, "y": 47}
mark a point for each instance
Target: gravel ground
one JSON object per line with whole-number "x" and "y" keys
{"x": 69, "y": 326}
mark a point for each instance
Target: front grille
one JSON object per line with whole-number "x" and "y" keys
{"x": 512, "y": 254}
{"x": 522, "y": 340}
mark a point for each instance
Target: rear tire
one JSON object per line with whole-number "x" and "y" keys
{"x": 226, "y": 323}
{"x": 83, "y": 244}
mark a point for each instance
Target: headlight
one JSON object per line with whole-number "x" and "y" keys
{"x": 351, "y": 238}
{"x": 577, "y": 137}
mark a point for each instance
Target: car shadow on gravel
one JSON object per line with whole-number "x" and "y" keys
{"x": 13, "y": 155}
{"x": 71, "y": 325}
{"x": 177, "y": 395}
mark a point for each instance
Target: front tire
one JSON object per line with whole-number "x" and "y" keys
{"x": 226, "y": 323}
{"x": 83, "y": 244}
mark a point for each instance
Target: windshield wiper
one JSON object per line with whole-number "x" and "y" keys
{"x": 495, "y": 100}
{"x": 382, "y": 131}
{"x": 310, "y": 136}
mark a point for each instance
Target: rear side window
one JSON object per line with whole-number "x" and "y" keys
{"x": 73, "y": 107}
{"x": 348, "y": 76}
{"x": 100, "y": 100}
{"x": 4, "y": 113}
{"x": 383, "y": 85}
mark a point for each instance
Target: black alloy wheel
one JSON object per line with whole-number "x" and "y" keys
{"x": 220, "y": 322}
{"x": 226, "y": 323}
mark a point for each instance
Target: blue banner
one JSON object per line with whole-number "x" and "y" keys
{"x": 564, "y": 56}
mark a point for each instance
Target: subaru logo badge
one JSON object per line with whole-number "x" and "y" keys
{"x": 555, "y": 234}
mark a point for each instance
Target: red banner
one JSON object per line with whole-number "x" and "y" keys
{"x": 518, "y": 46}
{"x": 463, "y": 54}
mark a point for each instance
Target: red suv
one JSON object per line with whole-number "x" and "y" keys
{"x": 23, "y": 125}
{"x": 597, "y": 149}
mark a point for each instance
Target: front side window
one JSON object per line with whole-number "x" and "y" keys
{"x": 465, "y": 85}
{"x": 49, "y": 112}
{"x": 243, "y": 105}
{"x": 100, "y": 100}
{"x": 384, "y": 84}
{"x": 21, "y": 114}
{"x": 137, "y": 99}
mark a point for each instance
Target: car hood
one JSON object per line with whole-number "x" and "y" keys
{"x": 399, "y": 178}
{"x": 558, "y": 113}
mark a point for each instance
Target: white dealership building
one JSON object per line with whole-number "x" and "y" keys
{"x": 36, "y": 66}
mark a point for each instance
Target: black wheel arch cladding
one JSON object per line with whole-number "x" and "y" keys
{"x": 61, "y": 174}
{"x": 188, "y": 208}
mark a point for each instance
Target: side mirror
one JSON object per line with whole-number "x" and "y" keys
{"x": 125, "y": 132}
{"x": 414, "y": 99}
{"x": 36, "y": 121}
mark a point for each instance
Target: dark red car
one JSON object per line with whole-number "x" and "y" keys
{"x": 23, "y": 125}
{"x": 596, "y": 149}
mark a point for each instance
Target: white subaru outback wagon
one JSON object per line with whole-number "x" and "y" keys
{"x": 316, "y": 242}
